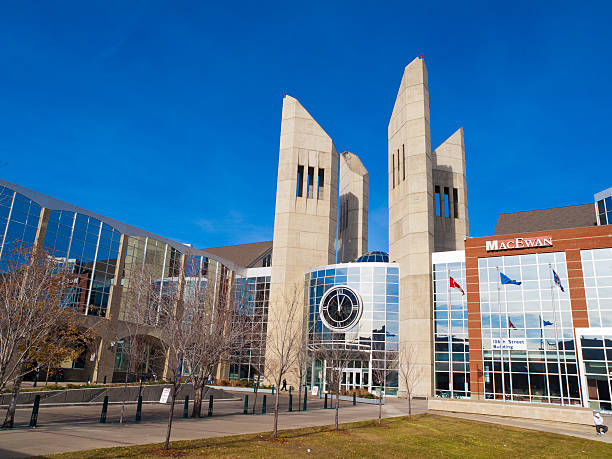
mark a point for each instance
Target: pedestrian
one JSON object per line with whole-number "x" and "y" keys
{"x": 284, "y": 384}
{"x": 599, "y": 424}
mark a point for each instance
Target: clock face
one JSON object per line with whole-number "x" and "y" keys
{"x": 340, "y": 308}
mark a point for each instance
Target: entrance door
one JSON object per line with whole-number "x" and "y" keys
{"x": 352, "y": 378}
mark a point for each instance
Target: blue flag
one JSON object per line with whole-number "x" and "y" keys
{"x": 557, "y": 280}
{"x": 506, "y": 280}
{"x": 546, "y": 323}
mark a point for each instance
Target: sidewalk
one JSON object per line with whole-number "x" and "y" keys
{"x": 58, "y": 438}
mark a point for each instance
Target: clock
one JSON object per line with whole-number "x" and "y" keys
{"x": 340, "y": 308}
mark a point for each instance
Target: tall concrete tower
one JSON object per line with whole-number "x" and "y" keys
{"x": 417, "y": 226}
{"x": 305, "y": 214}
{"x": 353, "y": 208}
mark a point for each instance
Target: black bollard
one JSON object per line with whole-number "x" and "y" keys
{"x": 186, "y": 407}
{"x": 246, "y": 405}
{"x": 34, "y": 417}
{"x": 104, "y": 409}
{"x": 290, "y": 400}
{"x": 290, "y": 390}
{"x": 305, "y": 397}
{"x": 325, "y": 402}
{"x": 139, "y": 409}
{"x": 104, "y": 379}
{"x": 354, "y": 398}
{"x": 35, "y": 379}
{"x": 210, "y": 406}
{"x": 272, "y": 390}
{"x": 263, "y": 406}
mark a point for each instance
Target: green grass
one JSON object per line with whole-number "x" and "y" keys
{"x": 422, "y": 436}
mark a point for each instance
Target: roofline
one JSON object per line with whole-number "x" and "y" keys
{"x": 55, "y": 204}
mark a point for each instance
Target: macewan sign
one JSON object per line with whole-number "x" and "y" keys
{"x": 519, "y": 243}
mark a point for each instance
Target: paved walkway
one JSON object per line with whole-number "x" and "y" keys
{"x": 58, "y": 437}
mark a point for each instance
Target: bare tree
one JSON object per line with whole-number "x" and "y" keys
{"x": 384, "y": 363}
{"x": 336, "y": 353}
{"x": 33, "y": 300}
{"x": 304, "y": 357}
{"x": 284, "y": 341}
{"x": 221, "y": 321}
{"x": 408, "y": 371}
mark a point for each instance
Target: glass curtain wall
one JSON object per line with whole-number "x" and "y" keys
{"x": 452, "y": 359}
{"x": 90, "y": 248}
{"x": 377, "y": 329}
{"x": 597, "y": 273}
{"x": 18, "y": 223}
{"x": 527, "y": 330}
{"x": 251, "y": 296}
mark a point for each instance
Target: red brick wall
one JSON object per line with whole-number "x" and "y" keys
{"x": 570, "y": 241}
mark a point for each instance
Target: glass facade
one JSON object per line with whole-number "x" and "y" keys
{"x": 597, "y": 273}
{"x": 596, "y": 367}
{"x": 527, "y": 331}
{"x": 377, "y": 329}
{"x": 18, "y": 223}
{"x": 451, "y": 347}
{"x": 604, "y": 211}
{"x": 247, "y": 360}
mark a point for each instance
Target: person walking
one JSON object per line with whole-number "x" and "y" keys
{"x": 284, "y": 384}
{"x": 600, "y": 427}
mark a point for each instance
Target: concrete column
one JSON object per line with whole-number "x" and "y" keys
{"x": 411, "y": 222}
{"x": 353, "y": 223}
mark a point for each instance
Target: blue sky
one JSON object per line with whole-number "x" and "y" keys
{"x": 166, "y": 115}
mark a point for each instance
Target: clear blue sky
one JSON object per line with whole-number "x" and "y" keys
{"x": 166, "y": 115}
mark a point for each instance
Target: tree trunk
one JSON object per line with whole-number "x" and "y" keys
{"x": 379, "y": 408}
{"x": 198, "y": 390}
{"x": 300, "y": 396}
{"x": 125, "y": 386}
{"x": 276, "y": 400}
{"x": 9, "y": 420}
{"x": 409, "y": 404}
{"x": 175, "y": 389}
{"x": 47, "y": 376}
{"x": 337, "y": 407}
{"x": 256, "y": 390}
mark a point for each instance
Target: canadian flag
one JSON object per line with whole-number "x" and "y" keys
{"x": 454, "y": 284}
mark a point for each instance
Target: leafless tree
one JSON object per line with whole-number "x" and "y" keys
{"x": 409, "y": 373}
{"x": 221, "y": 320}
{"x": 33, "y": 300}
{"x": 336, "y": 353}
{"x": 304, "y": 357}
{"x": 138, "y": 316}
{"x": 284, "y": 340}
{"x": 384, "y": 363}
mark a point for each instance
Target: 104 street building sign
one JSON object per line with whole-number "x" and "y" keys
{"x": 519, "y": 243}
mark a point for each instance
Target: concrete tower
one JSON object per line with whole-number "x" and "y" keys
{"x": 305, "y": 214}
{"x": 353, "y": 208}
{"x": 416, "y": 177}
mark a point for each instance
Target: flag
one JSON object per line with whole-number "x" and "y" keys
{"x": 510, "y": 324}
{"x": 557, "y": 280}
{"x": 506, "y": 280}
{"x": 546, "y": 323}
{"x": 454, "y": 284}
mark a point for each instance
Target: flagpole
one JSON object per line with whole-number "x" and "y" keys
{"x": 450, "y": 339}
{"x": 552, "y": 298}
{"x": 501, "y": 340}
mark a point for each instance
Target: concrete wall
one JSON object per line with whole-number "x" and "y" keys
{"x": 574, "y": 415}
{"x": 411, "y": 222}
{"x": 305, "y": 215}
{"x": 352, "y": 208}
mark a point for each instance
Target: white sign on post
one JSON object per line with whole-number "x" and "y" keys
{"x": 164, "y": 396}
{"x": 509, "y": 344}
{"x": 315, "y": 391}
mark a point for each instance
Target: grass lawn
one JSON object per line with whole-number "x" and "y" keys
{"x": 422, "y": 436}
